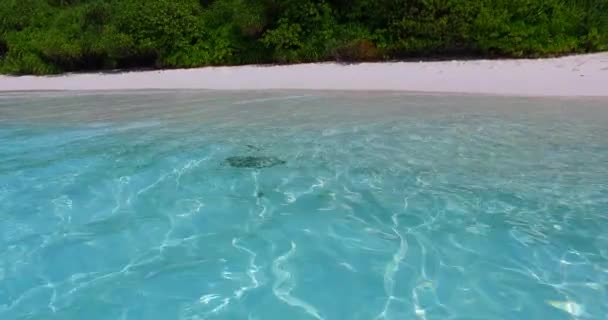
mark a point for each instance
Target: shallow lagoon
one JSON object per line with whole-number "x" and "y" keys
{"x": 126, "y": 205}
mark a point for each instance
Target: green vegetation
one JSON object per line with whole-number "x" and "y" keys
{"x": 52, "y": 36}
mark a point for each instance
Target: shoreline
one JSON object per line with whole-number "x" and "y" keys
{"x": 569, "y": 76}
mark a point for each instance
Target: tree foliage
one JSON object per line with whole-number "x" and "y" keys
{"x": 52, "y": 36}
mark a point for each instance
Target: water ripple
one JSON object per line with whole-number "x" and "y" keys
{"x": 120, "y": 205}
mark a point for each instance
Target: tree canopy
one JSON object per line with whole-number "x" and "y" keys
{"x": 53, "y": 36}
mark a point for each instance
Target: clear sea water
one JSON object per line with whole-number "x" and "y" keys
{"x": 122, "y": 205}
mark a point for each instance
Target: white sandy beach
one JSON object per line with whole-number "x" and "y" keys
{"x": 582, "y": 75}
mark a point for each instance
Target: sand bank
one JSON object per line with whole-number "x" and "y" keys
{"x": 582, "y": 75}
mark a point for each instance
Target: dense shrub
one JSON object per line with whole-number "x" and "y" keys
{"x": 51, "y": 36}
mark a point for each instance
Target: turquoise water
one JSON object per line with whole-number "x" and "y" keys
{"x": 302, "y": 205}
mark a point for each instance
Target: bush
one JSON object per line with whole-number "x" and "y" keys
{"x": 302, "y": 33}
{"x": 50, "y": 36}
